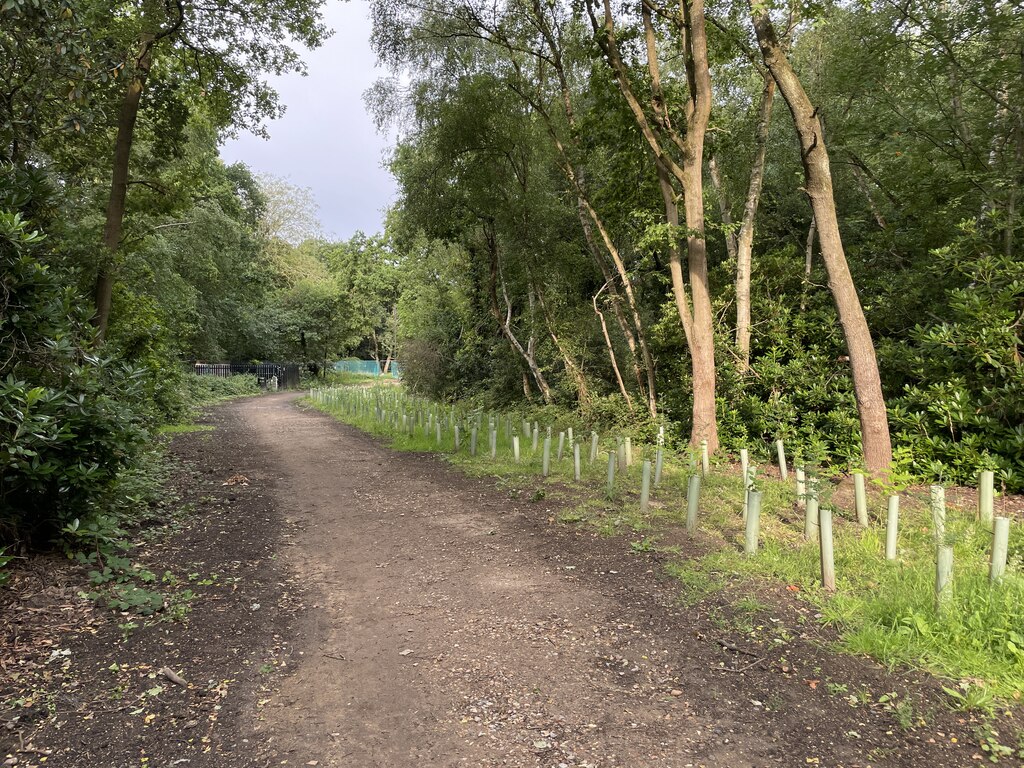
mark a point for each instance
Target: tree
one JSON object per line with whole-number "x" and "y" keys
{"x": 874, "y": 421}
{"x": 290, "y": 213}
{"x": 678, "y": 158}
{"x": 368, "y": 272}
{"x": 220, "y": 49}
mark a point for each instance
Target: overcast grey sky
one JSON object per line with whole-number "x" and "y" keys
{"x": 326, "y": 141}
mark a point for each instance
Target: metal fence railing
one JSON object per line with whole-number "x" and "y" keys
{"x": 287, "y": 373}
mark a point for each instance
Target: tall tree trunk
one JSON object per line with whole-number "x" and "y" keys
{"x": 724, "y": 206}
{"x": 675, "y": 260}
{"x": 505, "y": 323}
{"x": 611, "y": 351}
{"x": 698, "y": 112}
{"x": 688, "y": 173}
{"x": 571, "y": 366}
{"x": 808, "y": 262}
{"x": 745, "y": 240}
{"x": 114, "y": 223}
{"x": 867, "y": 384}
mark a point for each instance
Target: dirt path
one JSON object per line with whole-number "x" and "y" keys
{"x": 355, "y": 607}
{"x": 454, "y": 625}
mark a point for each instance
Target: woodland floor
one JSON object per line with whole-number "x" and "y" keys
{"x": 354, "y": 606}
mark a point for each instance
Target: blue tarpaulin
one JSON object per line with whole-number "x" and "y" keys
{"x": 368, "y": 368}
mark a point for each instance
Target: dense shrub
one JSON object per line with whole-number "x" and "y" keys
{"x": 64, "y": 435}
{"x": 962, "y": 406}
{"x": 205, "y": 390}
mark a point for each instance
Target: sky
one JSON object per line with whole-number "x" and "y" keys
{"x": 326, "y": 141}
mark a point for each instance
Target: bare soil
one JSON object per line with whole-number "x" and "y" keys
{"x": 360, "y": 607}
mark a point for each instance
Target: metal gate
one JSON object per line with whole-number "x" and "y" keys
{"x": 287, "y": 373}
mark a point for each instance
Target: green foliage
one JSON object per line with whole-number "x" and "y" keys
{"x": 64, "y": 436}
{"x": 4, "y": 560}
{"x": 963, "y": 406}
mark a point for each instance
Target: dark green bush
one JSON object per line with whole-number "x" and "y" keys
{"x": 962, "y": 408}
{"x": 64, "y": 437}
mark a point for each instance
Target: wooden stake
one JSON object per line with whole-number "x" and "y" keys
{"x": 744, "y": 465}
{"x": 658, "y": 461}
{"x": 705, "y": 462}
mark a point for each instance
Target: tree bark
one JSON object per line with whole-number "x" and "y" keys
{"x": 574, "y": 368}
{"x": 657, "y": 129}
{"x": 867, "y": 384}
{"x": 611, "y": 351}
{"x": 698, "y": 112}
{"x": 616, "y": 302}
{"x": 114, "y": 224}
{"x": 127, "y": 115}
{"x": 724, "y": 206}
{"x": 745, "y": 240}
{"x": 505, "y": 323}
{"x": 808, "y": 262}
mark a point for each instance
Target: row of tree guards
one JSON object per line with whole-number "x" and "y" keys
{"x": 458, "y": 429}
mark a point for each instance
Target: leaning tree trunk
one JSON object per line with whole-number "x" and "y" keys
{"x": 724, "y": 206}
{"x": 114, "y": 224}
{"x": 505, "y": 323}
{"x": 574, "y": 369}
{"x": 874, "y": 421}
{"x": 611, "y": 351}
